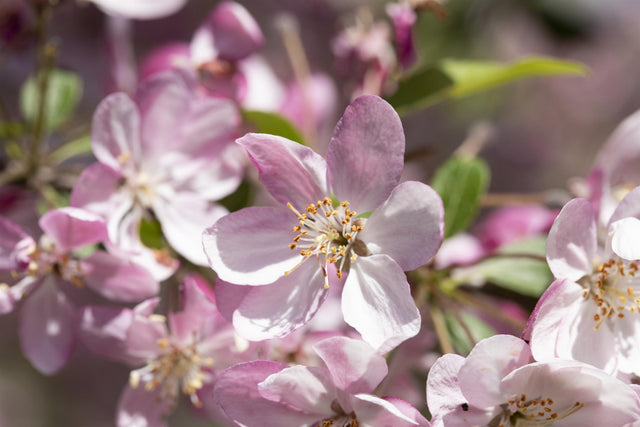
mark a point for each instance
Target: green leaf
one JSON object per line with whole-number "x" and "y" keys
{"x": 273, "y": 124}
{"x": 478, "y": 328}
{"x": 525, "y": 276}
{"x": 64, "y": 90}
{"x": 457, "y": 78}
{"x": 460, "y": 182}
{"x": 77, "y": 147}
{"x": 420, "y": 89}
{"x": 475, "y": 76}
{"x": 535, "y": 245}
{"x": 151, "y": 234}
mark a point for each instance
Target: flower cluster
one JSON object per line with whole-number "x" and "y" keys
{"x": 242, "y": 255}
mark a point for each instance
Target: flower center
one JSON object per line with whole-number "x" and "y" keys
{"x": 612, "y": 288}
{"x": 540, "y": 412}
{"x": 330, "y": 234}
{"x": 175, "y": 369}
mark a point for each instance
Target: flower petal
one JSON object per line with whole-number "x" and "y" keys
{"x": 377, "y": 302}
{"x": 115, "y": 133}
{"x": 408, "y": 227}
{"x": 624, "y": 241}
{"x": 140, "y": 9}
{"x": 236, "y": 391}
{"x": 251, "y": 246}
{"x": 291, "y": 172}
{"x": 481, "y": 374}
{"x": 366, "y": 154}
{"x": 98, "y": 190}
{"x": 184, "y": 217}
{"x": 629, "y": 206}
{"x": 308, "y": 389}
{"x": 72, "y": 228}
{"x": 277, "y": 309}
{"x": 141, "y": 407}
{"x": 374, "y": 411}
{"x": 571, "y": 245}
{"x": 104, "y": 331}
{"x": 234, "y": 32}
{"x": 118, "y": 279}
{"x": 47, "y": 327}
{"x": 10, "y": 236}
{"x": 354, "y": 365}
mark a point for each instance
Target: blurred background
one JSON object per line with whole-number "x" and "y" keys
{"x": 544, "y": 131}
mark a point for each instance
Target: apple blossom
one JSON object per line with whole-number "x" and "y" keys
{"x": 164, "y": 154}
{"x": 291, "y": 255}
{"x": 47, "y": 276}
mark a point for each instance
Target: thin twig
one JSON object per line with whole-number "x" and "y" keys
{"x": 440, "y": 326}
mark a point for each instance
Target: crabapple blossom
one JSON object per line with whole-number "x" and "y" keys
{"x": 291, "y": 255}
{"x": 47, "y": 277}
{"x": 265, "y": 393}
{"x": 164, "y": 154}
{"x": 179, "y": 353}
{"x": 222, "y": 52}
{"x": 499, "y": 384}
{"x": 590, "y": 313}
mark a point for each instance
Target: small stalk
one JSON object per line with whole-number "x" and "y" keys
{"x": 488, "y": 309}
{"x": 440, "y": 325}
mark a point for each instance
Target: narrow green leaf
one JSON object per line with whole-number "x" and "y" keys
{"x": 71, "y": 149}
{"x": 64, "y": 90}
{"x": 460, "y": 182}
{"x": 475, "y": 76}
{"x": 420, "y": 89}
{"x": 457, "y": 78}
{"x": 151, "y": 234}
{"x": 525, "y": 276}
{"x": 273, "y": 124}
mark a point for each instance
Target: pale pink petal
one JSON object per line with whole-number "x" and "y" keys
{"x": 163, "y": 101}
{"x": 104, "y": 331}
{"x": 48, "y": 327}
{"x": 628, "y": 206}
{"x": 98, "y": 190}
{"x": 553, "y": 291}
{"x": 145, "y": 331}
{"x": 251, "y": 246}
{"x": 115, "y": 132}
{"x": 263, "y": 89}
{"x": 408, "y": 227}
{"x": 307, "y": 389}
{"x": 10, "y": 236}
{"x": 626, "y": 238}
{"x": 118, "y": 279}
{"x": 229, "y": 297}
{"x": 354, "y": 365}
{"x": 607, "y": 400}
{"x": 366, "y": 154}
{"x": 279, "y": 308}
{"x": 197, "y": 310}
{"x": 374, "y": 411}
{"x": 138, "y": 407}
{"x": 72, "y": 228}
{"x": 140, "y": 9}
{"x": 164, "y": 58}
{"x": 236, "y": 390}
{"x": 11, "y": 296}
{"x": 377, "y": 302}
{"x": 447, "y": 404}
{"x": 291, "y": 172}
{"x": 409, "y": 411}
{"x": 235, "y": 34}
{"x": 184, "y": 218}
{"x": 480, "y": 376}
{"x": 571, "y": 245}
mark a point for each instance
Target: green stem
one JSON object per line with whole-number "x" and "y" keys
{"x": 487, "y": 308}
{"x": 440, "y": 325}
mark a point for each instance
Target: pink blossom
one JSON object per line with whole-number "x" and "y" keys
{"x": 590, "y": 313}
{"x": 271, "y": 394}
{"x": 163, "y": 155}
{"x": 290, "y": 256}
{"x": 500, "y": 384}
{"x": 178, "y": 354}
{"x": 47, "y": 276}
